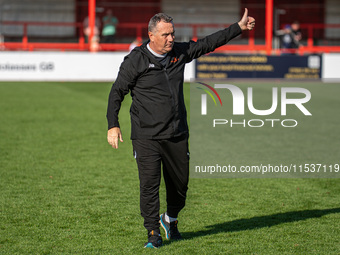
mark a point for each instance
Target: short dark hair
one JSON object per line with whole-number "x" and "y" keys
{"x": 158, "y": 18}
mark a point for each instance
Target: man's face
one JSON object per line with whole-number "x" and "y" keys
{"x": 295, "y": 26}
{"x": 162, "y": 39}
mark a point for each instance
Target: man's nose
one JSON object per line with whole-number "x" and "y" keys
{"x": 171, "y": 37}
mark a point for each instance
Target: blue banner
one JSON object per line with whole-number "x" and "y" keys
{"x": 222, "y": 66}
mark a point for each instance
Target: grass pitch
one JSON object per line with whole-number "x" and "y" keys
{"x": 64, "y": 190}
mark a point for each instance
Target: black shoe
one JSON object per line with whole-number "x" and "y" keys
{"x": 154, "y": 240}
{"x": 171, "y": 230}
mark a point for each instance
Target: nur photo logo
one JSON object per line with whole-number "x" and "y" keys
{"x": 280, "y": 99}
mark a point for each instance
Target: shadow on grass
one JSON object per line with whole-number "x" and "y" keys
{"x": 260, "y": 222}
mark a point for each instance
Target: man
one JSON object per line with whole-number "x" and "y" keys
{"x": 86, "y": 26}
{"x": 153, "y": 73}
{"x": 109, "y": 27}
{"x": 290, "y": 37}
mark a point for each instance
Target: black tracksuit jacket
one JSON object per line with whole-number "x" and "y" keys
{"x": 157, "y": 110}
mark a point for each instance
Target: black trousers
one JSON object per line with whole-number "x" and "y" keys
{"x": 151, "y": 155}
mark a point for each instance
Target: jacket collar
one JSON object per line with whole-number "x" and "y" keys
{"x": 151, "y": 57}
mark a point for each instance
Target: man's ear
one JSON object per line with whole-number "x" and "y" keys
{"x": 151, "y": 36}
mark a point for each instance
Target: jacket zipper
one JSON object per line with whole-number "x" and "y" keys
{"x": 172, "y": 97}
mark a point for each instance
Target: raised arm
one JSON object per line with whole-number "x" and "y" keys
{"x": 219, "y": 38}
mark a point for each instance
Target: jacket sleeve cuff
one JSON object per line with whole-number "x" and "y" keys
{"x": 236, "y": 28}
{"x": 112, "y": 125}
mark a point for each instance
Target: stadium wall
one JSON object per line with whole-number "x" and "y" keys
{"x": 101, "y": 66}
{"x": 330, "y": 72}
{"x": 59, "y": 66}
{"x": 64, "y": 66}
